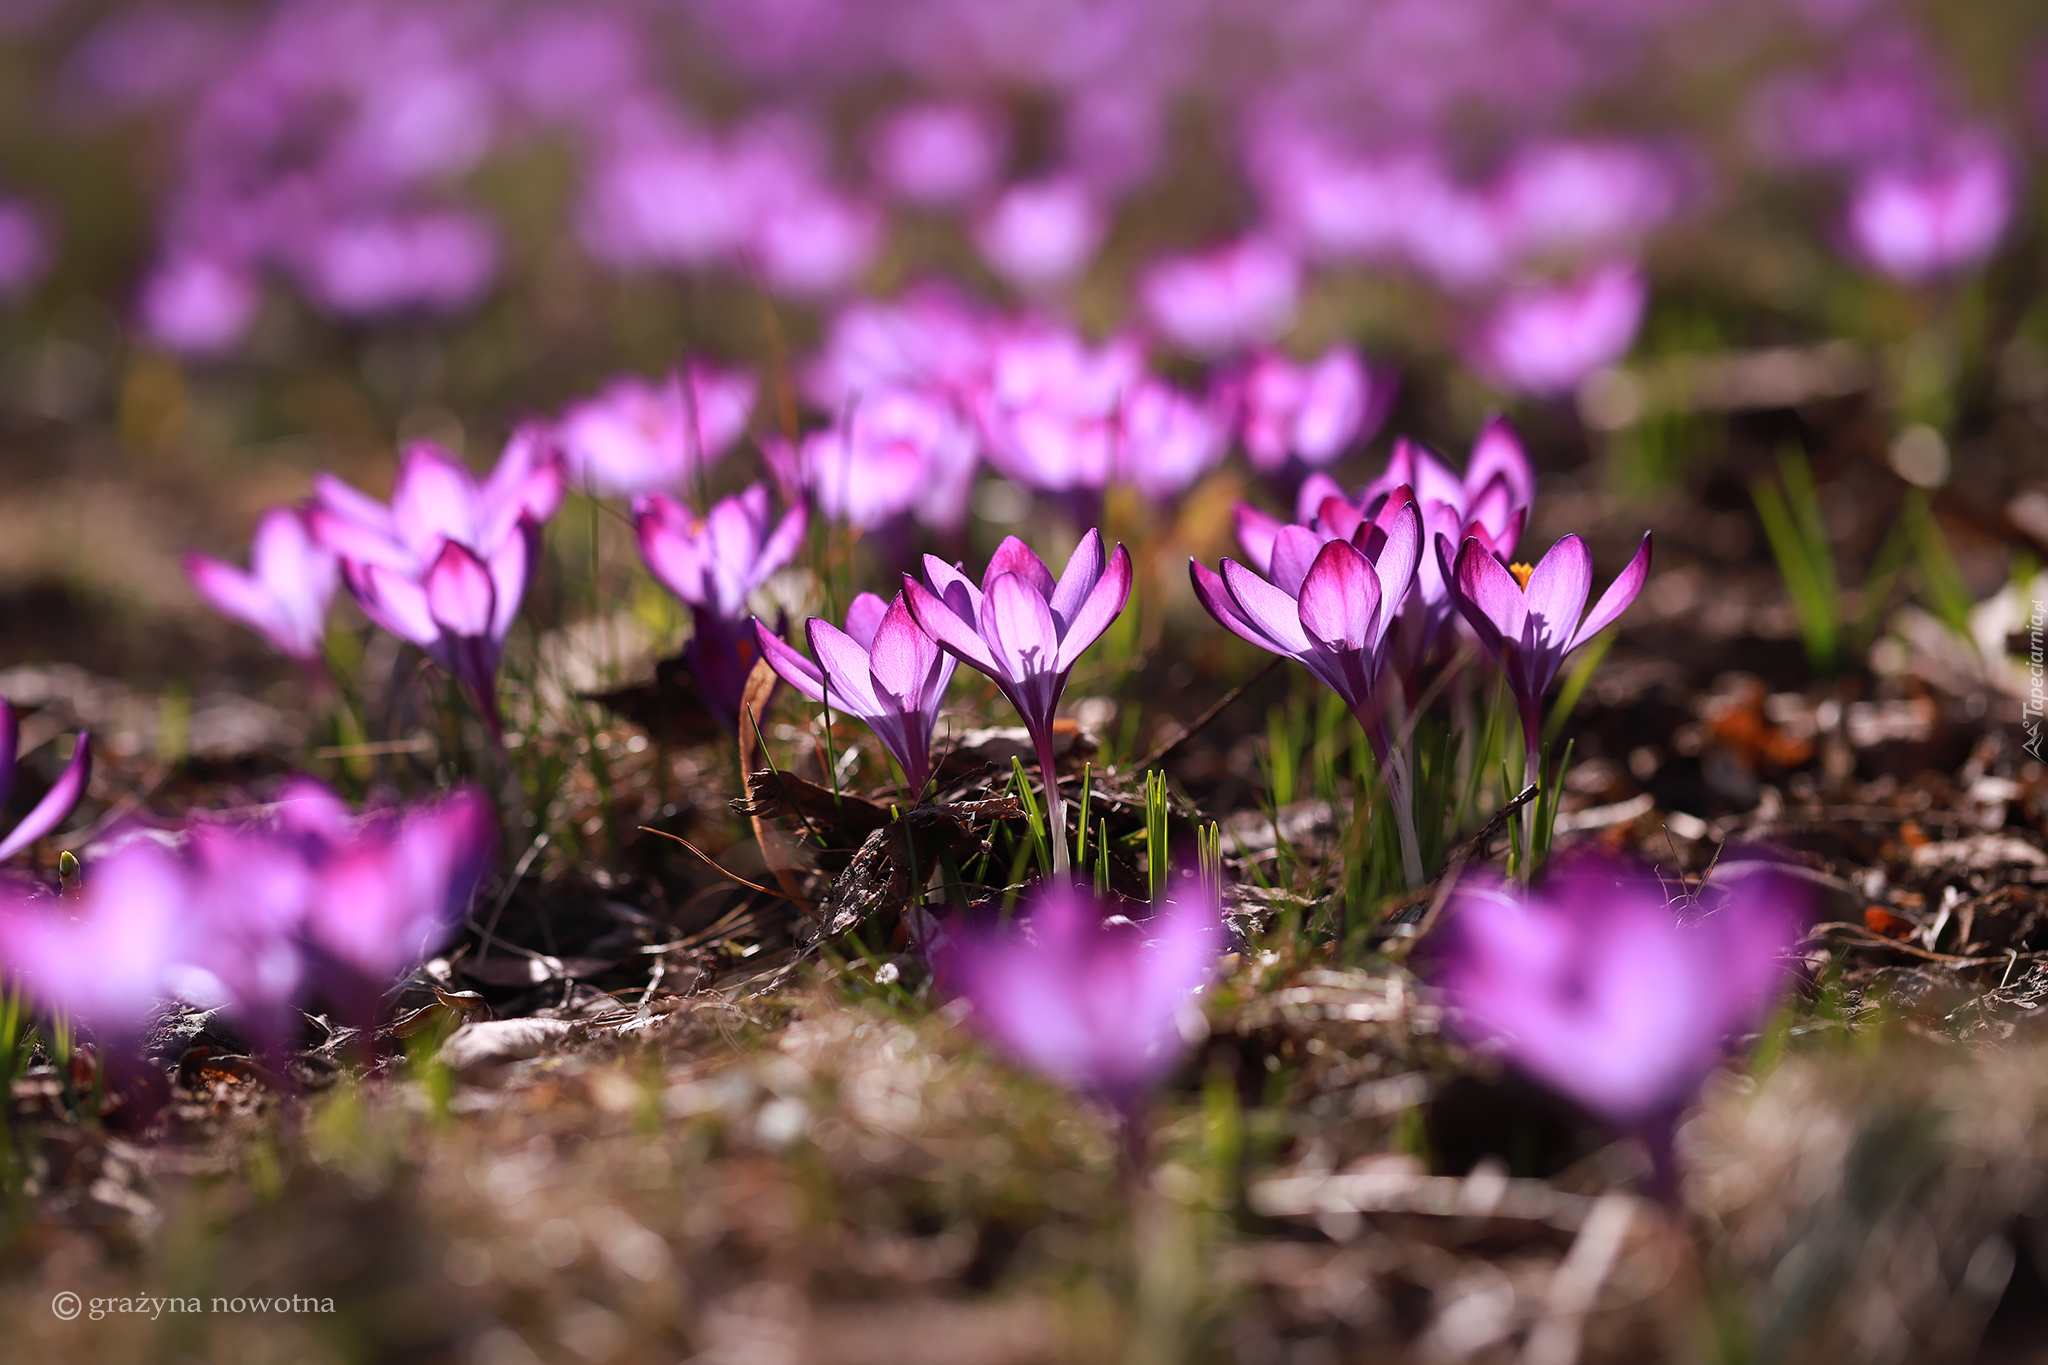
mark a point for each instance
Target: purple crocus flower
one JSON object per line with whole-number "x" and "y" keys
{"x": 287, "y": 589}
{"x": 938, "y": 155}
{"x": 374, "y": 265}
{"x": 446, "y": 564}
{"x": 199, "y": 305}
{"x": 1528, "y": 619}
{"x": 1330, "y": 606}
{"x": 57, "y": 803}
{"x": 1601, "y": 987}
{"x": 1240, "y": 295}
{"x": 1051, "y": 409}
{"x": 1041, "y": 234}
{"x": 1544, "y": 339}
{"x": 1092, "y": 1005}
{"x": 895, "y": 451}
{"x": 637, "y": 437}
{"x": 1919, "y": 223}
{"x": 1310, "y": 413}
{"x": 1026, "y": 632}
{"x": 1164, "y": 440}
{"x": 714, "y": 563}
{"x": 883, "y": 669}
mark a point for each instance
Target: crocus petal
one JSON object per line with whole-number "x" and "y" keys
{"x": 1314, "y": 489}
{"x": 1272, "y": 611}
{"x": 901, "y": 656}
{"x": 794, "y": 668}
{"x": 435, "y": 498}
{"x": 233, "y": 593}
{"x": 1104, "y": 603}
{"x": 1211, "y": 592}
{"x": 1620, "y": 593}
{"x": 864, "y": 617}
{"x": 511, "y": 566}
{"x": 1019, "y": 628}
{"x": 1557, "y": 590}
{"x": 1488, "y": 596}
{"x": 1078, "y": 579}
{"x": 845, "y": 665}
{"x": 460, "y": 595}
{"x": 1398, "y": 560}
{"x": 394, "y": 601}
{"x": 1340, "y": 599}
{"x": 1014, "y": 556}
{"x": 361, "y": 541}
{"x": 57, "y": 803}
{"x": 945, "y": 626}
{"x": 1294, "y": 551}
{"x": 782, "y": 543}
{"x": 1255, "y": 532}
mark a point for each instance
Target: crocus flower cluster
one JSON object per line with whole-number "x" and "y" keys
{"x": 714, "y": 563}
{"x": 445, "y": 565}
{"x": 1026, "y": 632}
{"x": 1359, "y": 590}
{"x": 1600, "y": 985}
{"x": 1092, "y": 1004}
{"x": 883, "y": 668}
{"x": 58, "y": 802}
{"x": 251, "y": 916}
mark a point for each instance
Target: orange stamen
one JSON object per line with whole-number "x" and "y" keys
{"x": 1521, "y": 573}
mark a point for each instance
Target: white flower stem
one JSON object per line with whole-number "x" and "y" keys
{"x": 1055, "y": 811}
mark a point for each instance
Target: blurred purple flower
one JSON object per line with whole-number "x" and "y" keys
{"x": 1586, "y": 196}
{"x": 896, "y": 451}
{"x": 1093, "y": 1005}
{"x": 714, "y": 563}
{"x": 1529, "y": 619}
{"x": 445, "y": 566}
{"x": 1310, "y": 414}
{"x": 58, "y": 802}
{"x": 287, "y": 589}
{"x": 883, "y": 669}
{"x": 24, "y": 247}
{"x": 1041, "y": 234}
{"x": 251, "y": 916}
{"x": 930, "y": 339}
{"x": 1330, "y": 606}
{"x": 1050, "y": 411}
{"x": 638, "y": 437}
{"x": 1236, "y": 296}
{"x": 1026, "y": 632}
{"x": 197, "y": 304}
{"x": 1163, "y": 440}
{"x": 662, "y": 202}
{"x": 1602, "y": 988}
{"x": 1918, "y": 223}
{"x": 370, "y": 266}
{"x": 815, "y": 244}
{"x": 1544, "y": 339}
{"x": 938, "y": 154}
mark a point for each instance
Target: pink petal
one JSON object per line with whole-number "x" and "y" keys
{"x": 943, "y": 625}
{"x": 1078, "y": 579}
{"x": 1619, "y": 595}
{"x": 436, "y": 499}
{"x": 794, "y": 668}
{"x": 460, "y": 594}
{"x": 864, "y": 617}
{"x": 57, "y": 803}
{"x": 1340, "y": 599}
{"x": 1104, "y": 603}
{"x": 845, "y": 665}
{"x": 1557, "y": 590}
{"x": 1266, "y": 608}
{"x": 1014, "y": 556}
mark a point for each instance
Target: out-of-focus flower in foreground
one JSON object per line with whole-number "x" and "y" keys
{"x": 1598, "y": 985}
{"x": 252, "y": 916}
{"x": 1093, "y": 1005}
{"x": 640, "y": 437}
{"x": 445, "y": 566}
{"x": 1919, "y": 223}
{"x": 1336, "y": 590}
{"x": 714, "y": 563}
{"x": 57, "y": 803}
{"x": 1544, "y": 339}
{"x": 284, "y": 594}
{"x": 1026, "y": 632}
{"x": 1530, "y": 618}
{"x": 883, "y": 668}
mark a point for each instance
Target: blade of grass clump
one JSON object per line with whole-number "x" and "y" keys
{"x": 1156, "y": 861}
{"x": 1032, "y": 816}
{"x": 1793, "y": 523}
{"x": 1081, "y": 836}
{"x": 1102, "y": 861}
{"x": 1940, "y": 579}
